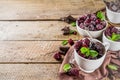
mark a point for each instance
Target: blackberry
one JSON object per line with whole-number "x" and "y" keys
{"x": 57, "y": 56}
{"x": 71, "y": 42}
{"x": 73, "y": 72}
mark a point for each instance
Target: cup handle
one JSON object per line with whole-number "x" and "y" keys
{"x": 88, "y": 33}
{"x": 107, "y": 45}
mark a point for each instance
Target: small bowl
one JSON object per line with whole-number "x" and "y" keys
{"x": 114, "y": 45}
{"x": 113, "y": 17}
{"x": 87, "y": 65}
{"x": 93, "y": 34}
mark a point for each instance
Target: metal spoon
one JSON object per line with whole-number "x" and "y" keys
{"x": 88, "y": 33}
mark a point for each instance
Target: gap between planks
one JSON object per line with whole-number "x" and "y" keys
{"x": 29, "y": 71}
{"x": 30, "y": 62}
{"x": 32, "y": 20}
{"x": 37, "y": 40}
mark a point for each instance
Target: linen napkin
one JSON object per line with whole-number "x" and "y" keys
{"x": 99, "y": 74}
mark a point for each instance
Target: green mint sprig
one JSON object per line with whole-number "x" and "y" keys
{"x": 64, "y": 42}
{"x": 93, "y": 53}
{"x": 112, "y": 67}
{"x": 100, "y": 15}
{"x": 88, "y": 52}
{"x": 67, "y": 67}
{"x": 114, "y": 37}
{"x": 73, "y": 24}
{"x": 85, "y": 51}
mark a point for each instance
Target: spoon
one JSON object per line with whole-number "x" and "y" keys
{"x": 88, "y": 33}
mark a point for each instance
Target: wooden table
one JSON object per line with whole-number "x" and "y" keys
{"x": 30, "y": 34}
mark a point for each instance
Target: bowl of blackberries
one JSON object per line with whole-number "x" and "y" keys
{"x": 112, "y": 36}
{"x": 113, "y": 11}
{"x": 89, "y": 54}
{"x": 91, "y": 24}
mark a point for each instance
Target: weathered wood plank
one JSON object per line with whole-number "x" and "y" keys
{"x": 46, "y": 9}
{"x": 29, "y": 71}
{"x": 28, "y": 51}
{"x": 34, "y": 30}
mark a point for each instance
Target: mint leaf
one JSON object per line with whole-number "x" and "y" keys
{"x": 85, "y": 50}
{"x": 64, "y": 42}
{"x": 88, "y": 53}
{"x": 100, "y": 15}
{"x": 115, "y": 37}
{"x": 112, "y": 67}
{"x": 93, "y": 53}
{"x": 73, "y": 24}
{"x": 109, "y": 37}
{"x": 66, "y": 67}
{"x": 72, "y": 31}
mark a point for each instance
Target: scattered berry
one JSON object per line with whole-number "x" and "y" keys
{"x": 75, "y": 33}
{"x": 57, "y": 56}
{"x": 71, "y": 42}
{"x": 74, "y": 72}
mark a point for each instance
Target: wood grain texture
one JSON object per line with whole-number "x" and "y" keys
{"x": 30, "y": 55}
{"x": 29, "y": 71}
{"x": 28, "y": 51}
{"x": 46, "y": 9}
{"x": 34, "y": 30}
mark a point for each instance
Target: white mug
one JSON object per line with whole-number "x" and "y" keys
{"x": 88, "y": 65}
{"x": 114, "y": 45}
{"x": 94, "y": 34}
{"x": 113, "y": 17}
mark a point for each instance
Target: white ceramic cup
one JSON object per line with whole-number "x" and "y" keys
{"x": 93, "y": 34}
{"x": 114, "y": 45}
{"x": 87, "y": 65}
{"x": 113, "y": 17}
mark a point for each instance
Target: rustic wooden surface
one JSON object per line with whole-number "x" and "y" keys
{"x": 45, "y": 9}
{"x": 30, "y": 34}
{"x": 34, "y": 30}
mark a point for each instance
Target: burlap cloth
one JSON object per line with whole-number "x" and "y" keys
{"x": 100, "y": 74}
